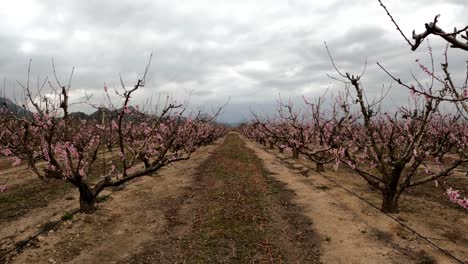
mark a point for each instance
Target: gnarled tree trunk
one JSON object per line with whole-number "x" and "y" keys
{"x": 295, "y": 154}
{"x": 319, "y": 167}
{"x": 87, "y": 199}
{"x": 390, "y": 202}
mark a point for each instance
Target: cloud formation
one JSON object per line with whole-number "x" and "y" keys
{"x": 250, "y": 51}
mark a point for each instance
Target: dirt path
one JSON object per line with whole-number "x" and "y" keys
{"x": 236, "y": 214}
{"x": 352, "y": 231}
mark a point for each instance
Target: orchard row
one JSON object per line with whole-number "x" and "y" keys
{"x": 55, "y": 144}
{"x": 392, "y": 151}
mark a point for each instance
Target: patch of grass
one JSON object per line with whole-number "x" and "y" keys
{"x": 233, "y": 226}
{"x": 274, "y": 189}
{"x": 67, "y": 216}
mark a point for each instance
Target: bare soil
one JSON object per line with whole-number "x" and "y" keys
{"x": 356, "y": 232}
{"x": 126, "y": 219}
{"x": 219, "y": 206}
{"x": 235, "y": 202}
{"x": 236, "y": 213}
{"x": 31, "y": 205}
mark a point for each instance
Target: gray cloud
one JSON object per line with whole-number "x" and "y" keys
{"x": 212, "y": 50}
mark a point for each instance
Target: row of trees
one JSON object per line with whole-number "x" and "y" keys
{"x": 58, "y": 145}
{"x": 391, "y": 150}
{"x": 394, "y": 150}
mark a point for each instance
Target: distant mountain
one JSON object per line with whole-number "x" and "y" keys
{"x": 78, "y": 115}
{"x": 98, "y": 114}
{"x": 7, "y": 105}
{"x": 108, "y": 113}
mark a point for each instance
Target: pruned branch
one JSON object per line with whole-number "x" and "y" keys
{"x": 433, "y": 29}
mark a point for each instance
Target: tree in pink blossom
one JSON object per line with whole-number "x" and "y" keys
{"x": 57, "y": 146}
{"x": 396, "y": 151}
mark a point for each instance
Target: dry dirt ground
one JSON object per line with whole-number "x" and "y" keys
{"x": 356, "y": 232}
{"x": 238, "y": 202}
{"x": 219, "y": 206}
{"x": 30, "y": 205}
{"x": 235, "y": 214}
{"x": 126, "y": 219}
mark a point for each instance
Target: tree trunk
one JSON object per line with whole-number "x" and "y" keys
{"x": 295, "y": 154}
{"x": 281, "y": 150}
{"x": 390, "y": 202}
{"x": 271, "y": 145}
{"x": 87, "y": 199}
{"x": 319, "y": 167}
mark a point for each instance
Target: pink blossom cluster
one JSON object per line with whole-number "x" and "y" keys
{"x": 454, "y": 196}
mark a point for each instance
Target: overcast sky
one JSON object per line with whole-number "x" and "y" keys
{"x": 249, "y": 51}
